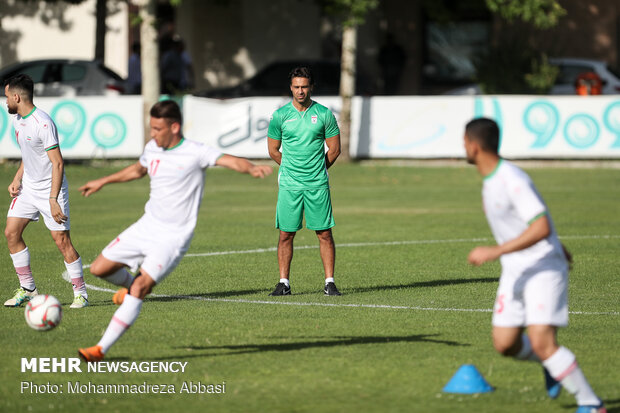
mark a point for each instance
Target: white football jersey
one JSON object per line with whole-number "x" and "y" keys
{"x": 511, "y": 203}
{"x": 36, "y": 134}
{"x": 177, "y": 182}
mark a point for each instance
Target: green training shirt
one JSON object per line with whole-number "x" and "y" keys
{"x": 303, "y": 137}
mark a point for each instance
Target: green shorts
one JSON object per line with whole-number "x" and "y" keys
{"x": 316, "y": 204}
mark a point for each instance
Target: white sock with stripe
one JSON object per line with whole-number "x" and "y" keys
{"x": 562, "y": 365}
{"x": 123, "y": 318}
{"x": 76, "y": 272}
{"x": 21, "y": 262}
{"x": 122, "y": 278}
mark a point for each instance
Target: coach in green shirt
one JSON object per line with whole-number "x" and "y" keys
{"x": 302, "y": 129}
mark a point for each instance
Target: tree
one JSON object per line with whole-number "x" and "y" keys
{"x": 101, "y": 12}
{"x": 351, "y": 14}
{"x": 543, "y": 14}
{"x": 511, "y": 66}
{"x": 149, "y": 59}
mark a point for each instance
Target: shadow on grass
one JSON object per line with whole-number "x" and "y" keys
{"x": 348, "y": 291}
{"x": 419, "y": 284}
{"x": 179, "y": 297}
{"x": 614, "y": 404}
{"x": 317, "y": 342}
{"x": 217, "y": 294}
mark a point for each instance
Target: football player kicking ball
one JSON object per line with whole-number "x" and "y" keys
{"x": 157, "y": 241}
{"x": 533, "y": 286}
{"x": 38, "y": 188}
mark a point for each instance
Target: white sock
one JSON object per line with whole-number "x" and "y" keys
{"x": 76, "y": 272}
{"x": 122, "y": 278}
{"x": 329, "y": 280}
{"x": 285, "y": 281}
{"x": 526, "y": 352}
{"x": 563, "y": 366}
{"x": 123, "y": 318}
{"x": 21, "y": 262}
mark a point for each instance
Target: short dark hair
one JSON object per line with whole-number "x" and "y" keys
{"x": 301, "y": 71}
{"x": 484, "y": 131}
{"x": 167, "y": 109}
{"x": 23, "y": 85}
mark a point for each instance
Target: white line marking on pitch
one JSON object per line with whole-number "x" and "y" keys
{"x": 307, "y": 304}
{"x": 65, "y": 275}
{"x": 385, "y": 243}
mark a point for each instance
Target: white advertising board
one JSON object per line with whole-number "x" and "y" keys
{"x": 427, "y": 127}
{"x": 552, "y": 127}
{"x": 531, "y": 126}
{"x": 88, "y": 127}
{"x": 237, "y": 126}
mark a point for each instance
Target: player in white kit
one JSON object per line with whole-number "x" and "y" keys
{"x": 38, "y": 188}
{"x": 157, "y": 241}
{"x": 533, "y": 285}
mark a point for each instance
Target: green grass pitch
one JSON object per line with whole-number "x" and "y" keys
{"x": 389, "y": 344}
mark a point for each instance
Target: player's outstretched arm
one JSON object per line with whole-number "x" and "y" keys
{"x": 244, "y": 166}
{"x": 537, "y": 231}
{"x": 134, "y": 171}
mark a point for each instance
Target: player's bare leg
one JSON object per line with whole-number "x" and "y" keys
{"x": 562, "y": 366}
{"x": 111, "y": 271}
{"x": 285, "y": 253}
{"x": 327, "y": 249}
{"x": 285, "y": 256}
{"x": 511, "y": 342}
{"x": 540, "y": 345}
{"x": 543, "y": 339}
{"x": 13, "y": 233}
{"x": 123, "y": 318}
{"x": 21, "y": 261}
{"x": 65, "y": 246}
{"x": 73, "y": 263}
{"x": 507, "y": 340}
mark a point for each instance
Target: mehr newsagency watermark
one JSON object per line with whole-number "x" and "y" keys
{"x": 74, "y": 365}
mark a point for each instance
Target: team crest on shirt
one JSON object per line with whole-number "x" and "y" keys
{"x": 314, "y": 118}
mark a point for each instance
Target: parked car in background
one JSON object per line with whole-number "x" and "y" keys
{"x": 67, "y": 77}
{"x": 272, "y": 80}
{"x": 570, "y": 69}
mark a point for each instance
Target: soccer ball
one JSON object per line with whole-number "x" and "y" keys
{"x": 43, "y": 312}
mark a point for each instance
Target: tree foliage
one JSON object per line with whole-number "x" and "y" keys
{"x": 513, "y": 68}
{"x": 350, "y": 12}
{"x": 512, "y": 65}
{"x": 543, "y": 14}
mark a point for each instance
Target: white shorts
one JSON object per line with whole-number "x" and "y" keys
{"x": 146, "y": 245}
{"x": 538, "y": 297}
{"x": 31, "y": 203}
